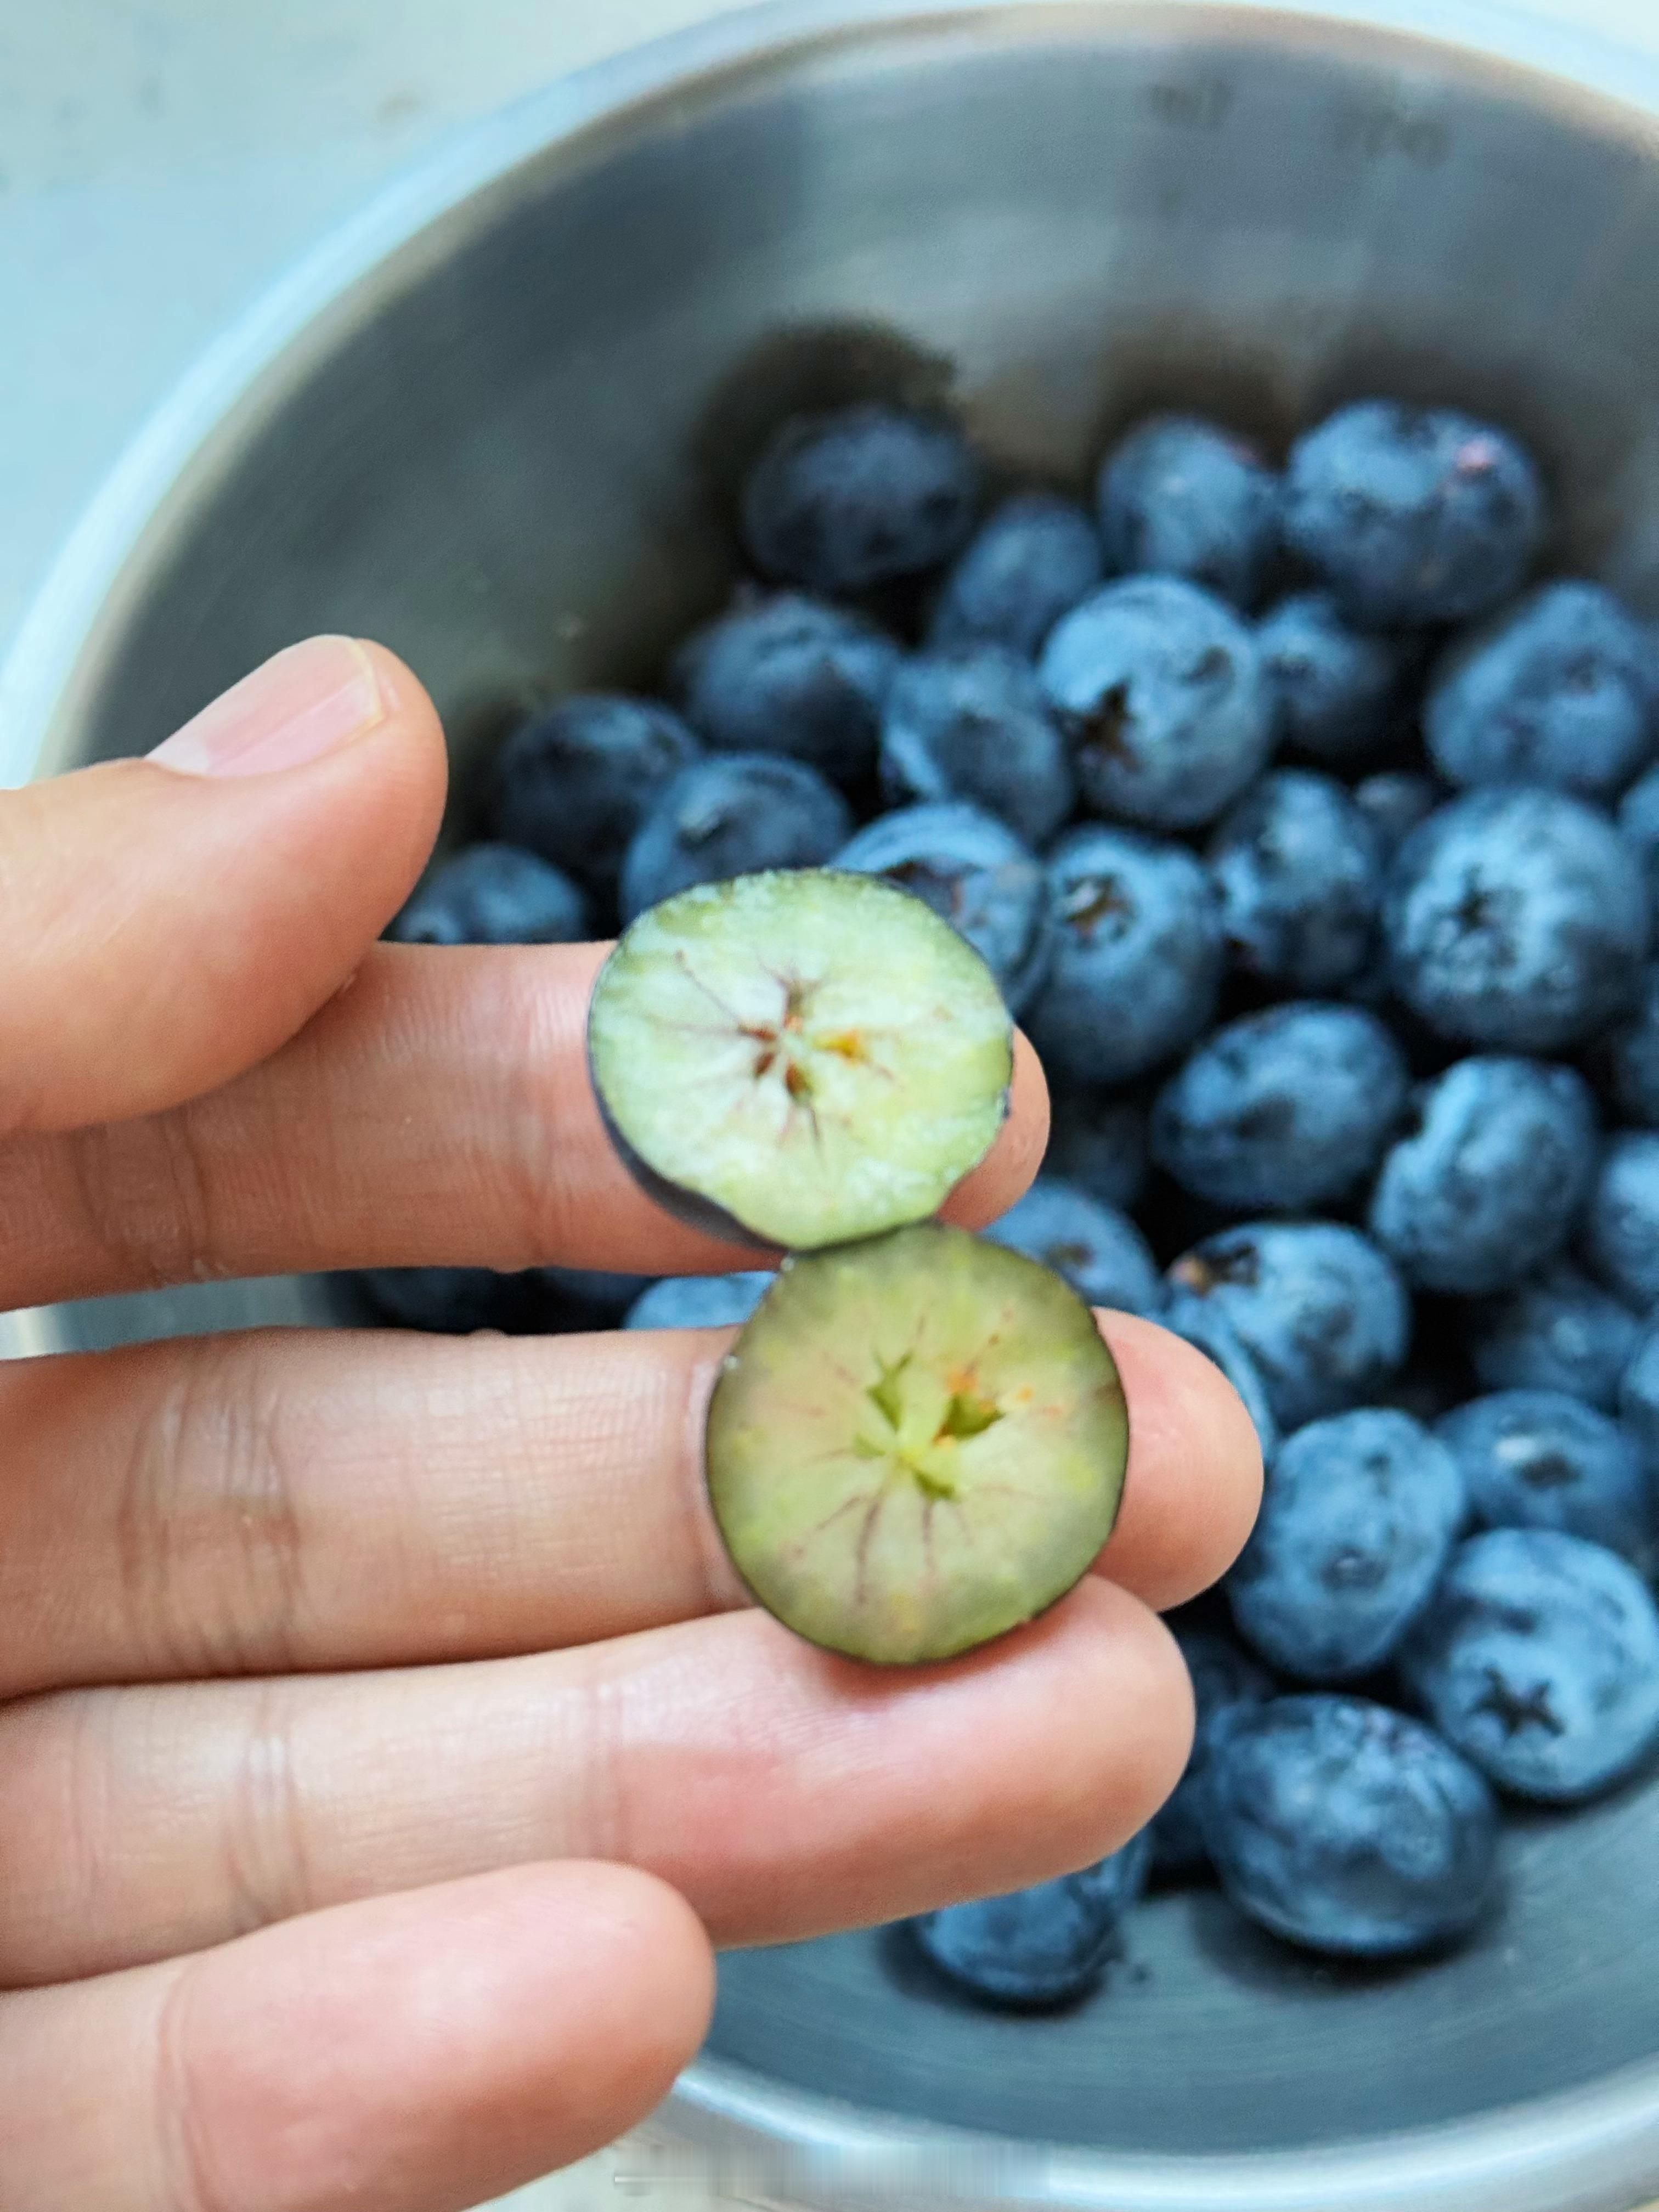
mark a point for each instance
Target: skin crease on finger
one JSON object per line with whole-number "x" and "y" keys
{"x": 285, "y": 1500}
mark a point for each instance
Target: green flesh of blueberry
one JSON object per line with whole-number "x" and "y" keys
{"x": 918, "y": 1443}
{"x": 807, "y": 1055}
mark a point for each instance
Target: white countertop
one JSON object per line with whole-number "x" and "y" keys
{"x": 161, "y": 160}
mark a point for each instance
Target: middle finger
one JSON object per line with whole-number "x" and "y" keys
{"x": 287, "y": 1500}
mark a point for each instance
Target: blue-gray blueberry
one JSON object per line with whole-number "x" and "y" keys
{"x": 1539, "y": 1659}
{"x": 1160, "y": 688}
{"x": 1137, "y": 956}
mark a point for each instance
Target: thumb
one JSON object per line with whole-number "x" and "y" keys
{"x": 172, "y": 921}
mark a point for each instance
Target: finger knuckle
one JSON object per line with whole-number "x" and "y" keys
{"x": 210, "y": 1538}
{"x": 146, "y": 1192}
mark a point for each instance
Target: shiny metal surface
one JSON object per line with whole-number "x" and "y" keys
{"x": 496, "y": 422}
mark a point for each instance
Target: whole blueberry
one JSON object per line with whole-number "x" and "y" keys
{"x": 1099, "y": 1143}
{"x": 1338, "y": 691}
{"x": 1347, "y": 1828}
{"x": 1137, "y": 956}
{"x": 698, "y": 1300}
{"x": 1282, "y": 1111}
{"x": 1556, "y": 690}
{"x": 1493, "y": 1179}
{"x": 1099, "y": 1251}
{"x": 1030, "y": 562}
{"x": 447, "y": 1301}
{"x": 1539, "y": 1658}
{"x": 855, "y": 497}
{"x": 971, "y": 869}
{"x": 1184, "y": 497}
{"x": 1317, "y": 1307}
{"x": 971, "y": 722}
{"x": 1223, "y": 1676}
{"x": 1638, "y": 1400}
{"x": 1621, "y": 1233}
{"x": 1201, "y": 1323}
{"x": 1040, "y": 1945}
{"x": 1638, "y": 824}
{"x": 1633, "y": 1054}
{"x": 789, "y": 675}
{"x": 1160, "y": 689}
{"x": 1394, "y": 802}
{"x": 1299, "y": 869}
{"x": 1538, "y": 1459}
{"x": 495, "y": 894}
{"x": 732, "y": 815}
{"x": 1411, "y": 514}
{"x": 575, "y": 783}
{"x": 1356, "y": 1524}
{"x": 1517, "y": 919}
{"x": 1557, "y": 1331}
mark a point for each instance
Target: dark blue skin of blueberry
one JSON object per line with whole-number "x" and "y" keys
{"x": 1517, "y": 920}
{"x": 1358, "y": 1523}
{"x": 1347, "y": 1828}
{"x": 698, "y": 1300}
{"x": 1318, "y": 1307}
{"x": 1557, "y": 1331}
{"x": 1558, "y": 690}
{"x": 1159, "y": 687}
{"x": 1638, "y": 824}
{"x": 1299, "y": 871}
{"x": 447, "y": 1300}
{"x": 1099, "y": 1143}
{"x": 1633, "y": 1056}
{"x": 1029, "y": 563}
{"x": 1410, "y": 515}
{"x": 845, "y": 501}
{"x": 1099, "y": 1251}
{"x": 1042, "y": 1946}
{"x": 789, "y": 675}
{"x": 1223, "y": 1676}
{"x": 1538, "y": 1459}
{"x": 1622, "y": 1231}
{"x": 1338, "y": 691}
{"x": 1201, "y": 1323}
{"x": 1394, "y": 803}
{"x": 732, "y": 815}
{"x": 495, "y": 894}
{"x": 1638, "y": 1401}
{"x": 591, "y": 1297}
{"x": 1282, "y": 1111}
{"x": 1138, "y": 956}
{"x": 574, "y": 784}
{"x": 1184, "y": 497}
{"x": 971, "y": 722}
{"x": 970, "y": 868}
{"x": 1539, "y": 1659}
{"x": 1494, "y": 1179}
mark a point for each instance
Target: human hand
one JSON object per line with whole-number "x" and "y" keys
{"x": 384, "y": 1738}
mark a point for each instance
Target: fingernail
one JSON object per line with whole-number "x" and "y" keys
{"x": 306, "y": 701}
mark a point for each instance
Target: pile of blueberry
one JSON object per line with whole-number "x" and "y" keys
{"x": 1316, "y": 846}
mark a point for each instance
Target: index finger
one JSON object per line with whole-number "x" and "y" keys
{"x": 437, "y": 1113}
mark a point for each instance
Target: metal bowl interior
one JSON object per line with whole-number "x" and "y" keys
{"x": 506, "y": 444}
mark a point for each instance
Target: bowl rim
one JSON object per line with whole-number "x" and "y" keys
{"x": 1594, "y": 2149}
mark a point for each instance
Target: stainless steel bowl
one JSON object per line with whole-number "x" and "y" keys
{"x": 496, "y": 423}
